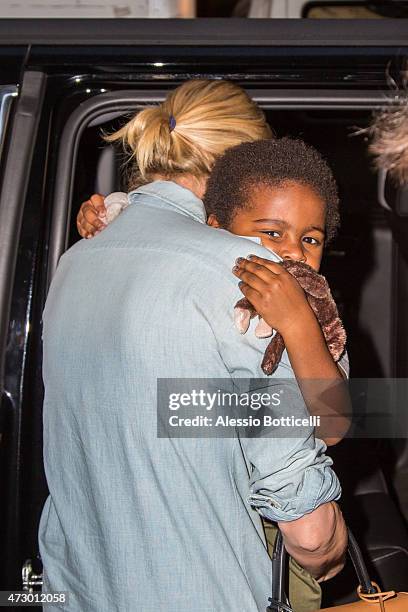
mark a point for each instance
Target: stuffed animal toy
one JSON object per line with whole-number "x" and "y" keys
{"x": 114, "y": 204}
{"x": 321, "y": 301}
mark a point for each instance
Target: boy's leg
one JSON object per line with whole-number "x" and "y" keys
{"x": 305, "y": 594}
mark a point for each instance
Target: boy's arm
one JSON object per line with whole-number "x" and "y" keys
{"x": 281, "y": 302}
{"x": 319, "y": 377}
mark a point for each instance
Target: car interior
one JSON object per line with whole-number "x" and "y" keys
{"x": 364, "y": 268}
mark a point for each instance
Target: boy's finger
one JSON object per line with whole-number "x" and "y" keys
{"x": 83, "y": 226}
{"x": 80, "y": 224}
{"x": 91, "y": 216}
{"x": 98, "y": 202}
{"x": 90, "y": 213}
{"x": 85, "y": 229}
{"x": 273, "y": 266}
{"x": 251, "y": 294}
{"x": 257, "y": 269}
{"x": 252, "y": 280}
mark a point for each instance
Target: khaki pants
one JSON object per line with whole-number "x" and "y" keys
{"x": 305, "y": 594}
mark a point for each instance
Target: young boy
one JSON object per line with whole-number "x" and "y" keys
{"x": 282, "y": 192}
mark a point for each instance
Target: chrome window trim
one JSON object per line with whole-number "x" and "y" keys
{"x": 7, "y": 94}
{"x": 13, "y": 191}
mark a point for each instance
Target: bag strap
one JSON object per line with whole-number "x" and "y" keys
{"x": 363, "y": 577}
{"x": 279, "y": 601}
{"x": 279, "y": 560}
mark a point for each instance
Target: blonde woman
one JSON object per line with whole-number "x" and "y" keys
{"x": 172, "y": 522}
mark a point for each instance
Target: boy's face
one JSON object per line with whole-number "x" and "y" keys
{"x": 289, "y": 219}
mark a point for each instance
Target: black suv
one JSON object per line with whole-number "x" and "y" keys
{"x": 61, "y": 81}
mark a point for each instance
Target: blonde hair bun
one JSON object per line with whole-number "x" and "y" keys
{"x": 209, "y": 117}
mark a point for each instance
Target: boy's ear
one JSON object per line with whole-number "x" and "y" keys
{"x": 213, "y": 221}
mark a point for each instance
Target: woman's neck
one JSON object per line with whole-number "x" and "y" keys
{"x": 188, "y": 181}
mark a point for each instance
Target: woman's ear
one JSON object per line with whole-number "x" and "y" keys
{"x": 213, "y": 221}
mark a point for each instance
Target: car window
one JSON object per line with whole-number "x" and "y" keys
{"x": 353, "y": 9}
{"x": 7, "y": 94}
{"x": 322, "y": 9}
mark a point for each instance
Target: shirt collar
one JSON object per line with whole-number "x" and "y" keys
{"x": 173, "y": 195}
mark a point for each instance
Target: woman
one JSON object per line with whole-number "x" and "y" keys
{"x": 180, "y": 140}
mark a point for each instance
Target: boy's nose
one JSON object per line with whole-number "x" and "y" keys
{"x": 293, "y": 251}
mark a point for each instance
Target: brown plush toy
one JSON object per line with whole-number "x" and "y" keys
{"x": 321, "y": 301}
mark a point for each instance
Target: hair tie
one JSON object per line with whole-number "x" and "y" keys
{"x": 172, "y": 123}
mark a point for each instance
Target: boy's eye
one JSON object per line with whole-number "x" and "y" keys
{"x": 271, "y": 233}
{"x": 311, "y": 240}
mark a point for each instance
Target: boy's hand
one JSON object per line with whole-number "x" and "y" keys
{"x": 273, "y": 291}
{"x": 91, "y": 217}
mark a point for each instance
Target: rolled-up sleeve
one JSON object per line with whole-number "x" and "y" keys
{"x": 290, "y": 477}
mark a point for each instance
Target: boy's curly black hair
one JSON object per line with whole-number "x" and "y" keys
{"x": 269, "y": 162}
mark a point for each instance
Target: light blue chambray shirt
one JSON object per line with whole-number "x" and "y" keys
{"x": 133, "y": 522}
